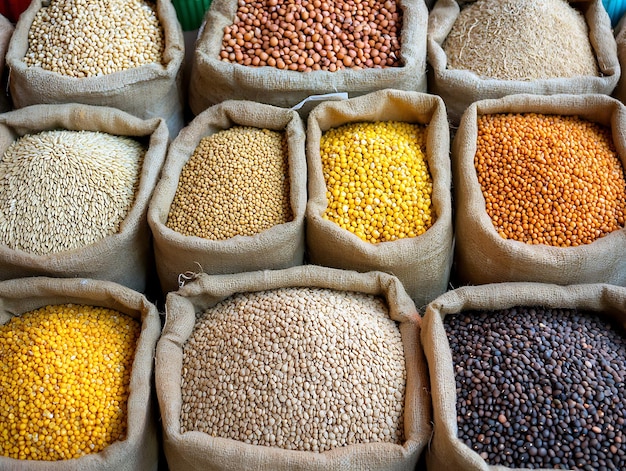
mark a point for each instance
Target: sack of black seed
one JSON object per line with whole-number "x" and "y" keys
{"x": 281, "y": 53}
{"x": 488, "y": 49}
{"x": 307, "y": 368}
{"x": 527, "y": 375}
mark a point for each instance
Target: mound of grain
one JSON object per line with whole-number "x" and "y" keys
{"x": 521, "y": 40}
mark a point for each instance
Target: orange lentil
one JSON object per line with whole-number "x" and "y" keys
{"x": 550, "y": 179}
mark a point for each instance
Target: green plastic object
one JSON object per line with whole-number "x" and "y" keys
{"x": 190, "y": 13}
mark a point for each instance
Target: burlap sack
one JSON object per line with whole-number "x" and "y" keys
{"x": 139, "y": 451}
{"x": 482, "y": 255}
{"x": 281, "y": 246}
{"x": 124, "y": 257}
{"x": 6, "y": 31}
{"x": 421, "y": 263}
{"x": 213, "y": 80}
{"x": 199, "y": 451}
{"x": 620, "y": 40}
{"x": 460, "y": 88}
{"x": 446, "y": 452}
{"x": 148, "y": 91}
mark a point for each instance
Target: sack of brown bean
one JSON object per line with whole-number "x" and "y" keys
{"x": 307, "y": 368}
{"x": 75, "y": 183}
{"x": 124, "y": 54}
{"x": 232, "y": 194}
{"x": 527, "y": 376}
{"x": 540, "y": 191}
{"x": 6, "y": 31}
{"x": 77, "y": 363}
{"x": 488, "y": 49}
{"x": 281, "y": 53}
{"x": 379, "y": 188}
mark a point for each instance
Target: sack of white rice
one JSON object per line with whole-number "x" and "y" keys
{"x": 124, "y": 54}
{"x": 379, "y": 189}
{"x": 281, "y": 53}
{"x": 232, "y": 194}
{"x": 307, "y": 368}
{"x": 493, "y": 48}
{"x": 540, "y": 190}
{"x": 77, "y": 363}
{"x": 75, "y": 183}
{"x": 527, "y": 376}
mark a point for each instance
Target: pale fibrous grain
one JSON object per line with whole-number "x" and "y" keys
{"x": 307, "y": 369}
{"x": 521, "y": 40}
{"x": 61, "y": 190}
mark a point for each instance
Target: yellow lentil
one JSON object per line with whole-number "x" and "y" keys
{"x": 550, "y": 179}
{"x": 64, "y": 378}
{"x": 378, "y": 183}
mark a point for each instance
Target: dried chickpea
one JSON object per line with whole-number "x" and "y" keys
{"x": 378, "y": 183}
{"x": 550, "y": 179}
{"x": 64, "y": 379}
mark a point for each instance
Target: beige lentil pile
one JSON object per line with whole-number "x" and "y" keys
{"x": 64, "y": 381}
{"x": 236, "y": 182}
{"x": 62, "y": 190}
{"x": 550, "y": 179}
{"x": 295, "y": 368}
{"x": 85, "y": 38}
{"x": 306, "y": 35}
{"x": 521, "y": 40}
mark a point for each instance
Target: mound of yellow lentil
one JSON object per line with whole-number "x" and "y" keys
{"x": 550, "y": 179}
{"x": 236, "y": 182}
{"x": 64, "y": 378}
{"x": 378, "y": 182}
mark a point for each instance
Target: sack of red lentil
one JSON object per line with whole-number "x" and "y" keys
{"x": 232, "y": 194}
{"x": 75, "y": 183}
{"x": 399, "y": 168}
{"x": 79, "y": 361}
{"x": 527, "y": 375}
{"x": 488, "y": 49}
{"x": 126, "y": 55}
{"x": 540, "y": 190}
{"x": 307, "y": 49}
{"x": 306, "y": 368}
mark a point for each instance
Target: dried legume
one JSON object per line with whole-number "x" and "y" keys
{"x": 236, "y": 182}
{"x": 540, "y": 388}
{"x": 306, "y": 35}
{"x": 378, "y": 183}
{"x": 521, "y": 40}
{"x": 62, "y": 190}
{"x": 295, "y": 368}
{"x": 85, "y": 38}
{"x": 550, "y": 179}
{"x": 64, "y": 379}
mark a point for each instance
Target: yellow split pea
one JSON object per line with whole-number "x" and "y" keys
{"x": 379, "y": 186}
{"x": 64, "y": 379}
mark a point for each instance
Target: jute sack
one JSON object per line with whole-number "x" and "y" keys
{"x": 460, "y": 88}
{"x": 620, "y": 40}
{"x": 124, "y": 257}
{"x": 446, "y": 451}
{"x": 148, "y": 91}
{"x": 200, "y": 451}
{"x": 482, "y": 255}
{"x": 139, "y": 450}
{"x": 280, "y": 246}
{"x": 421, "y": 263}
{"x": 213, "y": 80}
{"x": 6, "y": 31}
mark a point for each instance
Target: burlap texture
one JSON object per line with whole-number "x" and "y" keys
{"x": 6, "y": 31}
{"x": 620, "y": 41}
{"x": 446, "y": 452}
{"x": 148, "y": 91}
{"x": 281, "y": 246}
{"x": 199, "y": 451}
{"x": 460, "y": 88}
{"x": 421, "y": 263}
{"x": 482, "y": 255}
{"x": 139, "y": 451}
{"x": 213, "y": 80}
{"x": 124, "y": 257}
